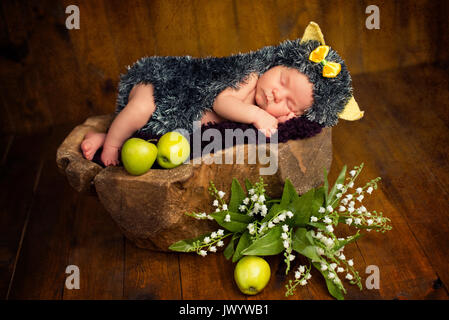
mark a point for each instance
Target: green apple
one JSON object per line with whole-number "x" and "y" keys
{"x": 173, "y": 149}
{"x": 138, "y": 156}
{"x": 252, "y": 274}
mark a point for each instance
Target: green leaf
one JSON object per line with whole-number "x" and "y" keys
{"x": 289, "y": 193}
{"x": 238, "y": 222}
{"x": 187, "y": 245}
{"x": 267, "y": 245}
{"x": 341, "y": 178}
{"x": 229, "y": 250}
{"x": 319, "y": 200}
{"x": 273, "y": 211}
{"x": 306, "y": 206}
{"x": 333, "y": 289}
{"x": 237, "y": 196}
{"x": 248, "y": 185}
{"x": 342, "y": 243}
{"x": 244, "y": 242}
{"x": 302, "y": 208}
{"x": 302, "y": 244}
{"x": 318, "y": 225}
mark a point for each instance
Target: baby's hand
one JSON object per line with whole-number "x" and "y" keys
{"x": 109, "y": 156}
{"x": 282, "y": 119}
{"x": 266, "y": 123}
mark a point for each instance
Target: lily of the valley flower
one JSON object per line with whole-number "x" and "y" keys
{"x": 327, "y": 220}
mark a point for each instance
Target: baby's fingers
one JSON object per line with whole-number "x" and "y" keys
{"x": 272, "y": 131}
{"x": 268, "y": 132}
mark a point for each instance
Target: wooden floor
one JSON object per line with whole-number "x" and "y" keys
{"x": 46, "y": 226}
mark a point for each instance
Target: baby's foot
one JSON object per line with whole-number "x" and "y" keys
{"x": 91, "y": 143}
{"x": 109, "y": 156}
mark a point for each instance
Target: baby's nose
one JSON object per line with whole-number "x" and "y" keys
{"x": 278, "y": 95}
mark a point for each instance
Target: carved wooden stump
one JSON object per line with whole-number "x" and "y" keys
{"x": 149, "y": 209}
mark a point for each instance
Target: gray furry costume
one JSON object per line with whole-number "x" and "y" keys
{"x": 186, "y": 87}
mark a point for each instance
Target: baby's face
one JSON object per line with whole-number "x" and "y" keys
{"x": 283, "y": 91}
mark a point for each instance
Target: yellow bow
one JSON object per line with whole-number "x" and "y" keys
{"x": 330, "y": 69}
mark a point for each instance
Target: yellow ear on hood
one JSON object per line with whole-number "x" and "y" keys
{"x": 313, "y": 32}
{"x": 351, "y": 112}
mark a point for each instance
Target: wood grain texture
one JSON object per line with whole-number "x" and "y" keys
{"x": 46, "y": 240}
{"x": 402, "y": 139}
{"x": 151, "y": 275}
{"x": 19, "y": 175}
{"x": 51, "y": 75}
{"x": 97, "y": 249}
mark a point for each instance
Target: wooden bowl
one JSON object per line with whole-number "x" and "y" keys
{"x": 149, "y": 209}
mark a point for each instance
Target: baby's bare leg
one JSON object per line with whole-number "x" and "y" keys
{"x": 134, "y": 116}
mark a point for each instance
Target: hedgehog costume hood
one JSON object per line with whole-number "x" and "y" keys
{"x": 186, "y": 87}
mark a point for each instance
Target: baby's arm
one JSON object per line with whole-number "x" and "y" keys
{"x": 232, "y": 104}
{"x": 232, "y": 108}
{"x": 134, "y": 116}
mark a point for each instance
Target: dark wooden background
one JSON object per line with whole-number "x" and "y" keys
{"x": 51, "y": 75}
{"x": 53, "y": 78}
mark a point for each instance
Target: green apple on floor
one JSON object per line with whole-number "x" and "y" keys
{"x": 138, "y": 156}
{"x": 252, "y": 274}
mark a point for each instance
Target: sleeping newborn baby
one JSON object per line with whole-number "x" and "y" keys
{"x": 262, "y": 88}
{"x": 278, "y": 95}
